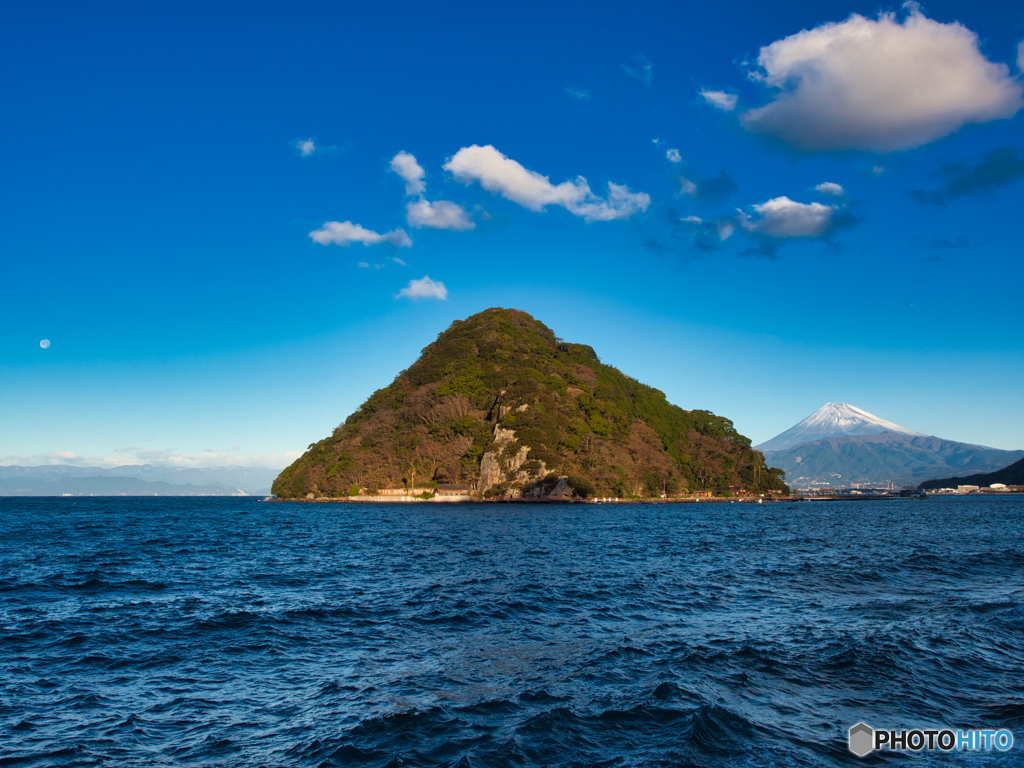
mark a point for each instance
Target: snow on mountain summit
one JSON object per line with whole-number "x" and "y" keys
{"x": 832, "y": 420}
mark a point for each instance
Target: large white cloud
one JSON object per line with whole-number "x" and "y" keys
{"x": 405, "y": 165}
{"x": 500, "y": 174}
{"x": 441, "y": 214}
{"x": 424, "y": 288}
{"x": 879, "y": 84}
{"x": 782, "y": 217}
{"x": 346, "y": 233}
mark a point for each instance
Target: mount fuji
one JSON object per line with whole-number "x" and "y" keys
{"x": 833, "y": 420}
{"x": 840, "y": 445}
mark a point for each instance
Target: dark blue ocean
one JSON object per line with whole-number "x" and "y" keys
{"x": 235, "y": 632}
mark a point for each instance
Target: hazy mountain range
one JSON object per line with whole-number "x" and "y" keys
{"x": 135, "y": 480}
{"x": 841, "y": 445}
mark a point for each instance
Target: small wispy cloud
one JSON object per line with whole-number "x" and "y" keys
{"x": 424, "y": 288}
{"x": 580, "y": 94}
{"x": 720, "y": 100}
{"x": 345, "y": 233}
{"x": 674, "y": 156}
{"x": 442, "y": 214}
{"x": 830, "y": 188}
{"x": 725, "y": 228}
{"x": 405, "y": 165}
{"x": 312, "y": 148}
{"x": 782, "y": 217}
{"x": 641, "y": 68}
{"x": 712, "y": 189}
{"x": 946, "y": 243}
{"x": 999, "y": 168}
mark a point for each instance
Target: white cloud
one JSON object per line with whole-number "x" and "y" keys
{"x": 674, "y": 156}
{"x": 500, "y": 174}
{"x": 398, "y": 261}
{"x": 830, "y": 188}
{"x": 880, "y": 85}
{"x": 424, "y": 288}
{"x": 441, "y": 214}
{"x": 405, "y": 165}
{"x": 362, "y": 265}
{"x": 687, "y": 187}
{"x": 720, "y": 100}
{"x": 725, "y": 229}
{"x": 579, "y": 94}
{"x": 692, "y": 220}
{"x": 438, "y": 215}
{"x": 657, "y": 142}
{"x": 1020, "y": 56}
{"x": 306, "y": 147}
{"x": 782, "y": 217}
{"x": 346, "y": 233}
{"x": 877, "y": 170}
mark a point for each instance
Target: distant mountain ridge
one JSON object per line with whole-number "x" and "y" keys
{"x": 832, "y": 420}
{"x": 842, "y": 445}
{"x": 1011, "y": 475}
{"x": 134, "y": 480}
{"x": 888, "y": 457}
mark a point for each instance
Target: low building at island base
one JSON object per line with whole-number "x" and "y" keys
{"x": 452, "y": 492}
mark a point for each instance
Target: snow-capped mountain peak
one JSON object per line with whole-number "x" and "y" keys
{"x": 832, "y": 420}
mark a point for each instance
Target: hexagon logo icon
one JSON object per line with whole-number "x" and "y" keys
{"x": 861, "y": 739}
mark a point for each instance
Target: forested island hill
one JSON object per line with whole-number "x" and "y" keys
{"x": 500, "y": 405}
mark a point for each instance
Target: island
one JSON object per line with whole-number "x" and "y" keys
{"x": 498, "y": 407}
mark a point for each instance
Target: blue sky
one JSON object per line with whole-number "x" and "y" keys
{"x": 223, "y": 217}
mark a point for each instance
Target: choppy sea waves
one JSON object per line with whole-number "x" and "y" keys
{"x": 234, "y": 632}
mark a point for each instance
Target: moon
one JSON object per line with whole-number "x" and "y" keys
{"x": 45, "y": 343}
